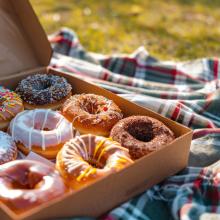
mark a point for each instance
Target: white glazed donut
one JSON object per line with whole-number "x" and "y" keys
{"x": 42, "y": 131}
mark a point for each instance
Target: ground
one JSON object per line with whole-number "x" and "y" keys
{"x": 171, "y": 29}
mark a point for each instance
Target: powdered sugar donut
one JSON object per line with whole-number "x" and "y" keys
{"x": 42, "y": 131}
{"x": 8, "y": 149}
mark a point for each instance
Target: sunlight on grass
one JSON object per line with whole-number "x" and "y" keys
{"x": 173, "y": 29}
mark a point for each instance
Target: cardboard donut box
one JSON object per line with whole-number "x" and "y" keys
{"x": 25, "y": 50}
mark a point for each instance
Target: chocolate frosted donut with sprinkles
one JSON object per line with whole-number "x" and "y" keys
{"x": 44, "y": 91}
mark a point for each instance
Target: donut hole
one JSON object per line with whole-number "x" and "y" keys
{"x": 27, "y": 181}
{"x": 43, "y": 85}
{"x": 95, "y": 163}
{"x": 92, "y": 106}
{"x": 141, "y": 130}
{"x": 45, "y": 129}
{"x": 48, "y": 125}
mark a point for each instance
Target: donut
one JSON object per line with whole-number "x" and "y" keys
{"x": 8, "y": 149}
{"x": 141, "y": 135}
{"x": 87, "y": 158}
{"x": 44, "y": 91}
{"x": 91, "y": 113}
{"x": 26, "y": 184}
{"x": 10, "y": 105}
{"x": 42, "y": 131}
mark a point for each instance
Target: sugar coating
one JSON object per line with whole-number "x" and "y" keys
{"x": 8, "y": 149}
{"x": 141, "y": 135}
{"x": 41, "y": 89}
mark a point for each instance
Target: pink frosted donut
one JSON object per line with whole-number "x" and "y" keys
{"x": 26, "y": 184}
{"x": 42, "y": 131}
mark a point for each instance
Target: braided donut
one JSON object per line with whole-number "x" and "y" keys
{"x": 44, "y": 91}
{"x": 88, "y": 158}
{"x": 91, "y": 113}
{"x": 26, "y": 184}
{"x": 41, "y": 130}
{"x": 10, "y": 105}
{"x": 141, "y": 135}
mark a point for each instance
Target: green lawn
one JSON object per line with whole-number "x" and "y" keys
{"x": 171, "y": 29}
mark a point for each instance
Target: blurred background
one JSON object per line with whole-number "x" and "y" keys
{"x": 171, "y": 29}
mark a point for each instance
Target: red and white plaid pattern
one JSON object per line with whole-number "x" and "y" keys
{"x": 187, "y": 92}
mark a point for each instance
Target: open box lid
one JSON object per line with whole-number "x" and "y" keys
{"x": 23, "y": 42}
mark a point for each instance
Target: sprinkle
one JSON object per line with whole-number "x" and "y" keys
{"x": 105, "y": 109}
{"x": 43, "y": 89}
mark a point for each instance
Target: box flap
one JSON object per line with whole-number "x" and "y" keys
{"x": 23, "y": 42}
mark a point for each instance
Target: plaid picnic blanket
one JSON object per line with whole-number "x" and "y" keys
{"x": 187, "y": 92}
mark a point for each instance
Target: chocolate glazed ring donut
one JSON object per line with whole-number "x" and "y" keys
{"x": 141, "y": 135}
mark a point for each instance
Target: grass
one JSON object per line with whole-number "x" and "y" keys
{"x": 171, "y": 29}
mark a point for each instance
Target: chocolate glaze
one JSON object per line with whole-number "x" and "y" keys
{"x": 141, "y": 135}
{"x": 42, "y": 89}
